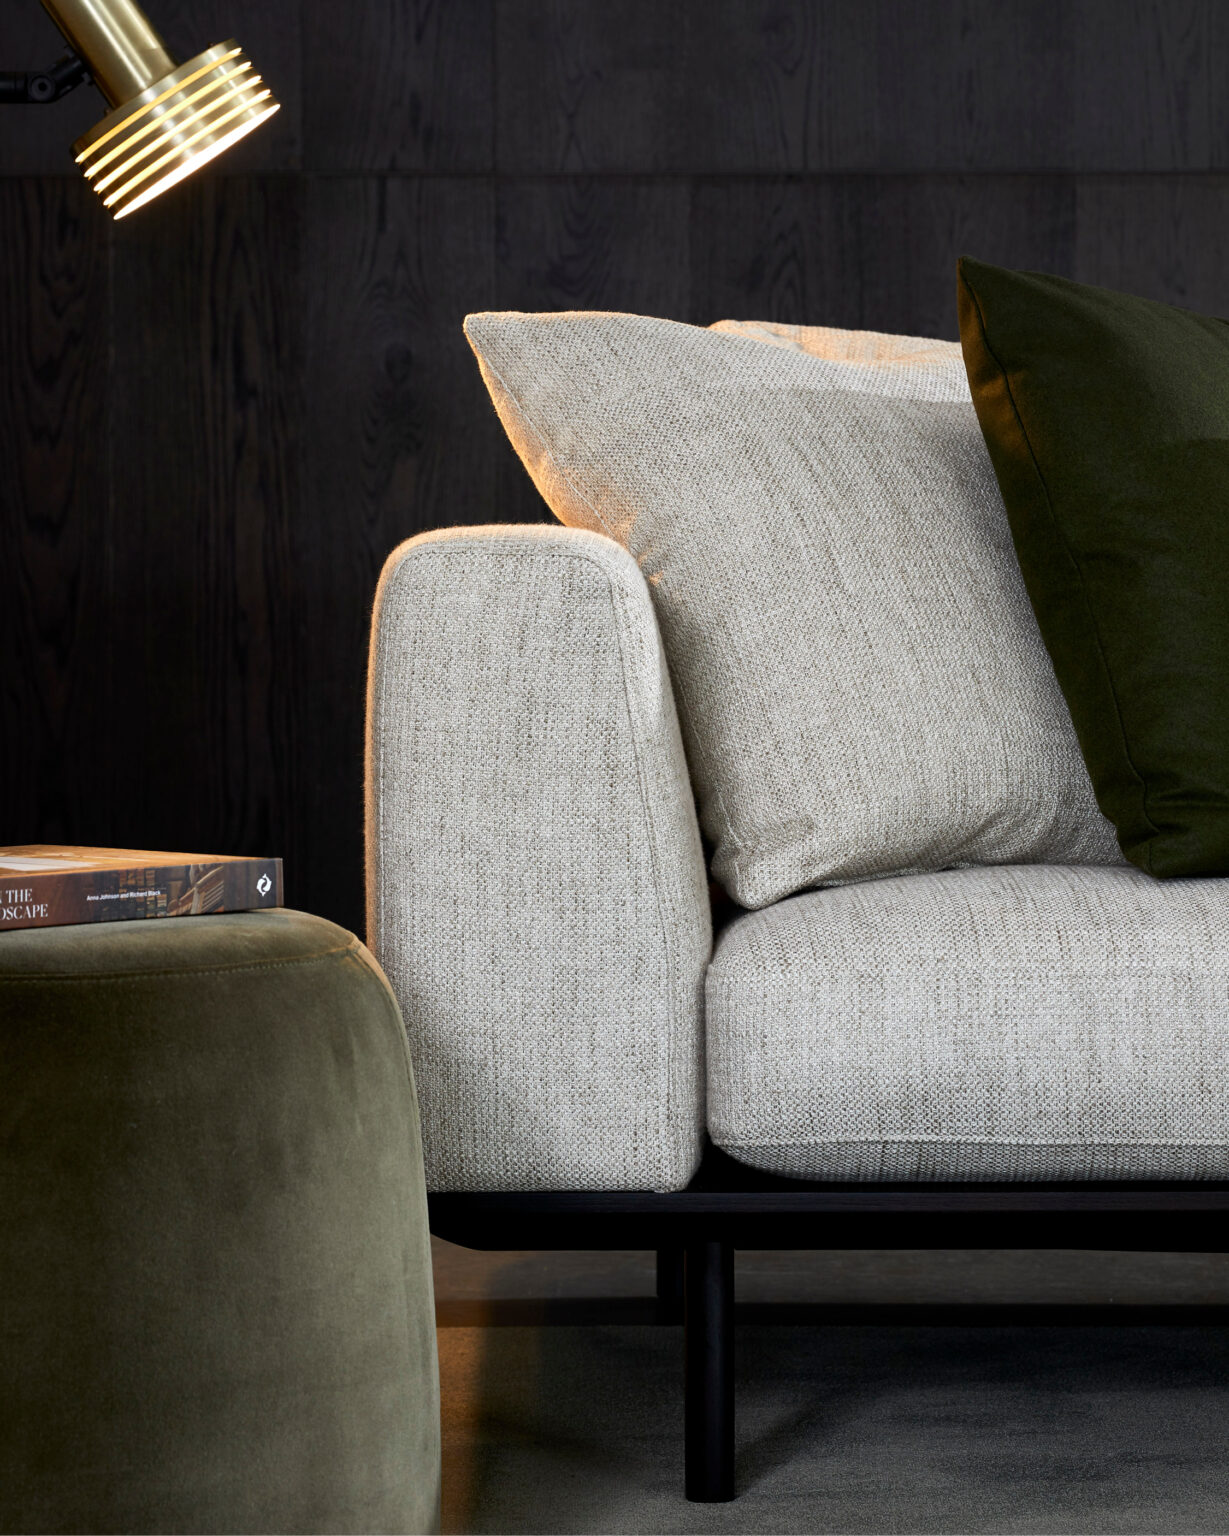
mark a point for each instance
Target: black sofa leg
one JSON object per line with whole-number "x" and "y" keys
{"x": 709, "y": 1371}
{"x": 669, "y": 1285}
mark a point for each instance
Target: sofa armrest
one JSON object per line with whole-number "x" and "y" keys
{"x": 535, "y": 883}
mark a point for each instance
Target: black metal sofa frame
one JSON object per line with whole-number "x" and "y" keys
{"x": 727, "y": 1206}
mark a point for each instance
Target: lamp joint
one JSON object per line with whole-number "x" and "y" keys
{"x": 41, "y": 87}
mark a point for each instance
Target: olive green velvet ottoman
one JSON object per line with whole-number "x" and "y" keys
{"x": 215, "y": 1282}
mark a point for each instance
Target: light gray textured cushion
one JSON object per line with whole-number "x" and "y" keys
{"x": 1016, "y": 1023}
{"x": 861, "y": 682}
{"x": 936, "y": 367}
{"x": 536, "y": 888}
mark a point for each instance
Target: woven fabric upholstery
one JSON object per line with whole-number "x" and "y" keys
{"x": 1016, "y": 1023}
{"x": 536, "y": 887}
{"x": 860, "y": 677}
{"x": 936, "y": 367}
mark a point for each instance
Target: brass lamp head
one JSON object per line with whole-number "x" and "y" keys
{"x": 167, "y": 120}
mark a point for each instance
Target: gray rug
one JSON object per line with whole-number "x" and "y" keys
{"x": 844, "y": 1429}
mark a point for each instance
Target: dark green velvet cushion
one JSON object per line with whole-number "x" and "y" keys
{"x": 1107, "y": 420}
{"x": 215, "y": 1284}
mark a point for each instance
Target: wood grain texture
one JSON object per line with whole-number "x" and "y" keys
{"x": 400, "y": 437}
{"x": 739, "y": 86}
{"x": 1147, "y": 84}
{"x": 1164, "y": 237}
{"x": 591, "y": 87}
{"x": 586, "y": 243}
{"x": 993, "y": 84}
{"x": 589, "y": 243}
{"x": 36, "y": 140}
{"x": 54, "y": 527}
{"x": 398, "y": 85}
{"x": 1218, "y": 97}
{"x": 868, "y": 252}
{"x": 217, "y": 418}
{"x": 776, "y": 250}
{"x": 914, "y": 228}
{"x": 208, "y": 704}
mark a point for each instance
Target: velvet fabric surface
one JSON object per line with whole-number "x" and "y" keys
{"x": 1107, "y": 421}
{"x": 214, "y": 1260}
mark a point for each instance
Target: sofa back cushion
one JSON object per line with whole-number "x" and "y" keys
{"x": 861, "y": 683}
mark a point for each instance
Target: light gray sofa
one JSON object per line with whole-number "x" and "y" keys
{"x": 941, "y": 1009}
{"x": 538, "y": 898}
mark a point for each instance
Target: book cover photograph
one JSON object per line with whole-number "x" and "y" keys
{"x": 47, "y": 886}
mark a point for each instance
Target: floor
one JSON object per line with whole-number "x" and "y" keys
{"x": 960, "y": 1406}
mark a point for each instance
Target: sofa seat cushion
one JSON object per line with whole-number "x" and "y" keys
{"x": 1018, "y": 1022}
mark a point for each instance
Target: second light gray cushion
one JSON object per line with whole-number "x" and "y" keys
{"x": 862, "y": 686}
{"x": 1036, "y": 1022}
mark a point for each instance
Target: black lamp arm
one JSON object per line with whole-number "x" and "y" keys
{"x": 45, "y": 85}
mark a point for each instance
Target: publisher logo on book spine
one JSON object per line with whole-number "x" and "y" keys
{"x": 57, "y": 885}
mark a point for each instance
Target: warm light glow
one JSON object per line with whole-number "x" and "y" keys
{"x": 197, "y": 158}
{"x": 142, "y": 104}
{"x": 174, "y": 131}
{"x": 166, "y": 116}
{"x": 194, "y": 164}
{"x": 177, "y": 125}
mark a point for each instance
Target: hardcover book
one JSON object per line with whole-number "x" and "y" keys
{"x": 47, "y": 886}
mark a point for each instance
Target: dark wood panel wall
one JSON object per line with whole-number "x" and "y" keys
{"x": 218, "y": 417}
